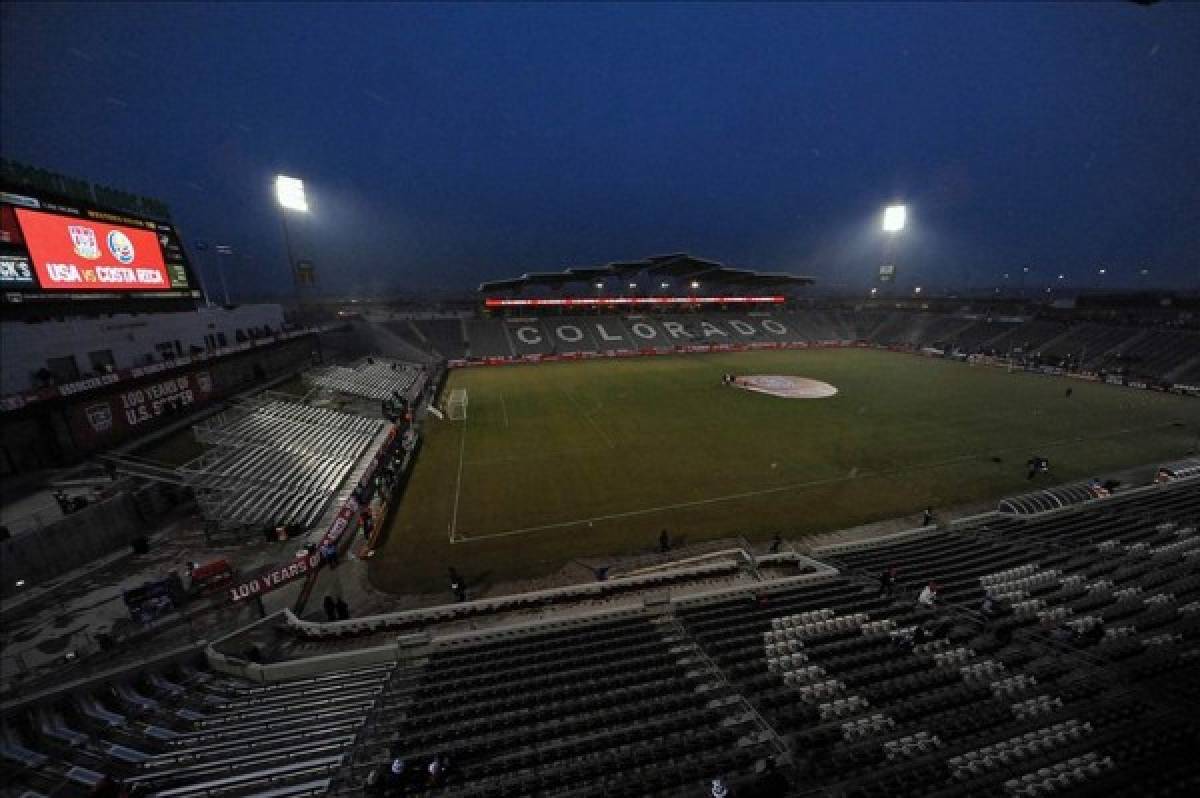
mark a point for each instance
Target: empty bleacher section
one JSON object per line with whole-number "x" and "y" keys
{"x": 408, "y": 336}
{"x": 275, "y": 461}
{"x": 616, "y": 705}
{"x": 1085, "y": 344}
{"x": 446, "y": 336}
{"x": 488, "y": 338}
{"x": 1079, "y": 679}
{"x": 1141, "y": 353}
{"x": 1027, "y": 337}
{"x": 373, "y": 378}
{"x": 186, "y": 731}
{"x": 1096, "y": 645}
{"x": 1153, "y": 354}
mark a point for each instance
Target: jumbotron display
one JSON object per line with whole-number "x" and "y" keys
{"x": 51, "y": 250}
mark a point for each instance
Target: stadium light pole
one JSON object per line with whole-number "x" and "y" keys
{"x": 223, "y": 251}
{"x": 289, "y": 193}
{"x": 894, "y": 219}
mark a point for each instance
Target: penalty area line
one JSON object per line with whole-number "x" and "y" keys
{"x": 462, "y": 447}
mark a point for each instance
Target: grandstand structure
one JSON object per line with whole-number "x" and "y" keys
{"x": 1083, "y": 681}
{"x": 371, "y": 378}
{"x": 1157, "y": 354}
{"x": 275, "y": 461}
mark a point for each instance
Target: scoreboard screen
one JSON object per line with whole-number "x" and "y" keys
{"x": 56, "y": 251}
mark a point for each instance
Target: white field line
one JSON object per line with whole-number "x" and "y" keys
{"x": 462, "y": 447}
{"x": 857, "y": 475}
{"x": 589, "y": 418}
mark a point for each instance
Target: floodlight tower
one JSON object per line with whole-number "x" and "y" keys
{"x": 894, "y": 219}
{"x": 289, "y": 193}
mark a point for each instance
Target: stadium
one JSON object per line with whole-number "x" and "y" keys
{"x": 666, "y": 525}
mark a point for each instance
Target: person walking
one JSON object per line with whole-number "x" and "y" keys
{"x": 664, "y": 542}
{"x": 887, "y": 582}
{"x": 776, "y": 543}
{"x": 927, "y": 517}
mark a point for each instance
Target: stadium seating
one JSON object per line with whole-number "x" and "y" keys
{"x": 1140, "y": 353}
{"x": 186, "y": 731}
{"x": 446, "y": 336}
{"x": 988, "y": 704}
{"x": 374, "y": 379}
{"x": 487, "y": 338}
{"x": 1077, "y": 676}
{"x": 275, "y": 461}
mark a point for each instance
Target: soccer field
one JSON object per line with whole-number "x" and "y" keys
{"x": 564, "y": 460}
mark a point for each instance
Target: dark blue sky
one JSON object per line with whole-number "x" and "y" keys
{"x": 444, "y": 144}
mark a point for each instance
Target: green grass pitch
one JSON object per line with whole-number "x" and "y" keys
{"x": 565, "y": 460}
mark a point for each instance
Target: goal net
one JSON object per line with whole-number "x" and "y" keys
{"x": 456, "y": 405}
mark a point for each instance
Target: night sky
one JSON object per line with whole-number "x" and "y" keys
{"x": 443, "y": 145}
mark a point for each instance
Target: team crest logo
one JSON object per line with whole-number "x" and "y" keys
{"x": 100, "y": 417}
{"x": 204, "y": 382}
{"x": 83, "y": 239}
{"x": 120, "y": 246}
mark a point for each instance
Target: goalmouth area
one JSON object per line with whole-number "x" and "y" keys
{"x": 558, "y": 461}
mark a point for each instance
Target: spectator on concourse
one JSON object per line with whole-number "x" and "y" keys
{"x": 887, "y": 582}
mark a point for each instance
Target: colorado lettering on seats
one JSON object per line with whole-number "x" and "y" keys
{"x": 528, "y": 335}
{"x": 643, "y": 330}
{"x": 604, "y": 336}
{"x": 675, "y": 329}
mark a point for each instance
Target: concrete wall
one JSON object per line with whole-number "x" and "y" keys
{"x": 53, "y": 433}
{"x": 25, "y": 348}
{"x": 71, "y": 542}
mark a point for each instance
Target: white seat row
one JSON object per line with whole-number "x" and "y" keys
{"x": 842, "y": 707}
{"x": 1036, "y": 706}
{"x": 1010, "y": 687}
{"x": 871, "y": 724}
{"x": 912, "y": 745}
{"x": 1060, "y": 776}
{"x": 1012, "y": 573}
{"x": 1024, "y": 746}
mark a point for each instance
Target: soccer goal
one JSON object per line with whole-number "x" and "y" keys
{"x": 456, "y": 405}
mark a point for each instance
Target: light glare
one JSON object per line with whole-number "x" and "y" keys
{"x": 894, "y": 217}
{"x": 289, "y": 192}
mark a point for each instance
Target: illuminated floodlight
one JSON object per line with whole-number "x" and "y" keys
{"x": 663, "y": 285}
{"x": 917, "y": 290}
{"x": 20, "y": 583}
{"x": 289, "y": 192}
{"x": 1104, "y": 271}
{"x": 632, "y": 285}
{"x": 894, "y": 217}
{"x": 695, "y": 284}
{"x": 874, "y": 291}
{"x": 599, "y": 285}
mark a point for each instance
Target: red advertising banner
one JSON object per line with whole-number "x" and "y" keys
{"x": 115, "y": 415}
{"x": 76, "y": 254}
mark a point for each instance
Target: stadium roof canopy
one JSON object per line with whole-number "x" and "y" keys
{"x": 679, "y": 266}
